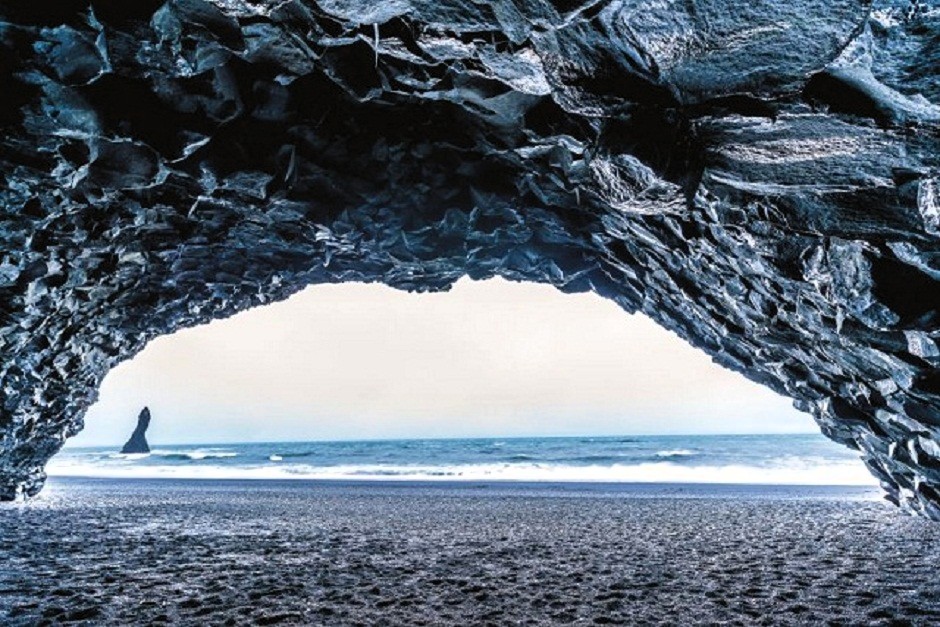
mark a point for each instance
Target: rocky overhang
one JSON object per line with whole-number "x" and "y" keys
{"x": 761, "y": 178}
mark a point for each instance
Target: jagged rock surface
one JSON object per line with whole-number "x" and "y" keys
{"x": 137, "y": 443}
{"x": 761, "y": 178}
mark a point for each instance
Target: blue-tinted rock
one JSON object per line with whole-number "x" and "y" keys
{"x": 760, "y": 178}
{"x": 137, "y": 443}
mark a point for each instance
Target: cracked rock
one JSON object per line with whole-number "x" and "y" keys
{"x": 761, "y": 181}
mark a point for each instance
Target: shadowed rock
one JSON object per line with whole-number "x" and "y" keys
{"x": 138, "y": 440}
{"x": 760, "y": 178}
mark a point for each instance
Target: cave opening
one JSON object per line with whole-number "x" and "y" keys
{"x": 493, "y": 362}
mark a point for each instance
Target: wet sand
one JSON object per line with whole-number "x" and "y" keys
{"x": 235, "y": 552}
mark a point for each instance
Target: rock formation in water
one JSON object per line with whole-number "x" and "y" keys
{"x": 761, "y": 178}
{"x": 138, "y": 440}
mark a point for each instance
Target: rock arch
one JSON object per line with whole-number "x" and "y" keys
{"x": 761, "y": 180}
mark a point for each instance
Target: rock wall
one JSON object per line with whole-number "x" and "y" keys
{"x": 761, "y": 178}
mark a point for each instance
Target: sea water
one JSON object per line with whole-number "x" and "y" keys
{"x": 744, "y": 459}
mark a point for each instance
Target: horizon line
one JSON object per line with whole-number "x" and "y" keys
{"x": 456, "y": 438}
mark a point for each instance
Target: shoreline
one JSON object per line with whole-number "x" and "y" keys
{"x": 652, "y": 489}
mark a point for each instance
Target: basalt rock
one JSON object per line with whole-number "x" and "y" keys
{"x": 761, "y": 178}
{"x": 137, "y": 443}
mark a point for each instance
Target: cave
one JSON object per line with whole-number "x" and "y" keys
{"x": 760, "y": 179}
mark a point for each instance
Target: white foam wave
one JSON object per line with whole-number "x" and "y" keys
{"x": 792, "y": 472}
{"x": 679, "y": 452}
{"x": 195, "y": 454}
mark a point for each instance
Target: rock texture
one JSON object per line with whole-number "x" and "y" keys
{"x": 760, "y": 177}
{"x": 137, "y": 443}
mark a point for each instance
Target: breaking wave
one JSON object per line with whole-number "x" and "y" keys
{"x": 679, "y": 452}
{"x": 791, "y": 460}
{"x": 654, "y": 472}
{"x": 196, "y": 454}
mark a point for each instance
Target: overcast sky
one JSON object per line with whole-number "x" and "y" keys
{"x": 492, "y": 358}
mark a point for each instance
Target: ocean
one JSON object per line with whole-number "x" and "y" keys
{"x": 730, "y": 459}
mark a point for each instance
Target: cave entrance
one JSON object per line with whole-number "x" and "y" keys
{"x": 501, "y": 363}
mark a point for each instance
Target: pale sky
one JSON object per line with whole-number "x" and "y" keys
{"x": 492, "y": 358}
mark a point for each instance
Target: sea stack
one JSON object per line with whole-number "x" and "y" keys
{"x": 138, "y": 440}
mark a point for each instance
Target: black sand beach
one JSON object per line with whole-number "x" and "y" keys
{"x": 214, "y": 552}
